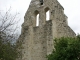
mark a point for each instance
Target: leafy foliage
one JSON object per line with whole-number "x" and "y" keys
{"x": 7, "y": 51}
{"x": 66, "y": 49}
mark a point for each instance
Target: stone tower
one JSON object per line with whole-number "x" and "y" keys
{"x": 38, "y": 33}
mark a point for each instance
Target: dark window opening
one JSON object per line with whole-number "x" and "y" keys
{"x": 41, "y": 2}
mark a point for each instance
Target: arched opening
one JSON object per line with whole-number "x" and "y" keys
{"x": 47, "y": 15}
{"x": 37, "y": 20}
{"x": 47, "y": 11}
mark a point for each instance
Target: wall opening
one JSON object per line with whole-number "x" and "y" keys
{"x": 41, "y": 2}
{"x": 47, "y": 12}
{"x": 47, "y": 15}
{"x": 37, "y": 20}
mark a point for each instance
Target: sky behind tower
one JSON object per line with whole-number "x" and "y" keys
{"x": 71, "y": 9}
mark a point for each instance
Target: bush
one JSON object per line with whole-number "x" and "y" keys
{"x": 66, "y": 49}
{"x": 7, "y": 51}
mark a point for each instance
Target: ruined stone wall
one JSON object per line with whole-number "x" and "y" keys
{"x": 37, "y": 41}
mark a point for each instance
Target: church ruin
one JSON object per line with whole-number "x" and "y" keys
{"x": 39, "y": 29}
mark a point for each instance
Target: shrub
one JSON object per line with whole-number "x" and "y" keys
{"x": 66, "y": 49}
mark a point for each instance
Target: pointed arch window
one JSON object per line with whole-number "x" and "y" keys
{"x": 48, "y": 15}
{"x": 36, "y": 18}
{"x": 47, "y": 11}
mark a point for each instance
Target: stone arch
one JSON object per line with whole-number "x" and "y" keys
{"x": 36, "y": 18}
{"x": 47, "y": 13}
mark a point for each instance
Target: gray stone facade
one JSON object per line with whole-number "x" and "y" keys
{"x": 37, "y": 41}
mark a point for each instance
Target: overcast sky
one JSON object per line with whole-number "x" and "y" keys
{"x": 71, "y": 9}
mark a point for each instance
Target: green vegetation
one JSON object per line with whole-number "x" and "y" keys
{"x": 7, "y": 51}
{"x": 8, "y": 35}
{"x": 66, "y": 49}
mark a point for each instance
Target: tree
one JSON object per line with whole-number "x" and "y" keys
{"x": 9, "y": 25}
{"x": 66, "y": 49}
{"x": 8, "y": 51}
{"x": 8, "y": 29}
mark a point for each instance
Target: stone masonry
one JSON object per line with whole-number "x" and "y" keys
{"x": 37, "y": 41}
